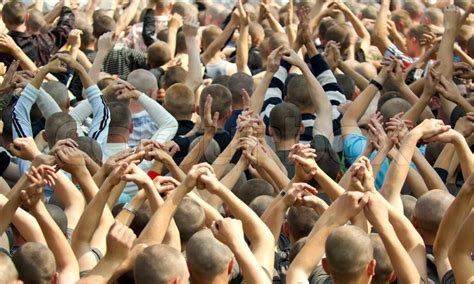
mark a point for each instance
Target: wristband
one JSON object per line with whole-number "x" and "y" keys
{"x": 376, "y": 84}
{"x": 130, "y": 209}
{"x": 152, "y": 174}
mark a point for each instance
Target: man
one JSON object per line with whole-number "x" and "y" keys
{"x": 38, "y": 46}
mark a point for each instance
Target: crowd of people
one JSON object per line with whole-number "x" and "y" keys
{"x": 312, "y": 141}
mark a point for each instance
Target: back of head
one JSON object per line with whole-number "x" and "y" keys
{"x": 393, "y": 106}
{"x": 271, "y": 43}
{"x": 409, "y": 203}
{"x": 347, "y": 85}
{"x": 430, "y": 209}
{"x": 102, "y": 24}
{"x": 143, "y": 80}
{"x": 366, "y": 69}
{"x": 58, "y": 216}
{"x": 209, "y": 34}
{"x": 298, "y": 92}
{"x": 174, "y": 75}
{"x": 207, "y": 257}
{"x": 383, "y": 269}
{"x": 324, "y": 27}
{"x": 260, "y": 204}
{"x": 222, "y": 80}
{"x": 91, "y": 147}
{"x": 58, "y": 91}
{"x": 253, "y": 188}
{"x": 120, "y": 118}
{"x": 221, "y": 100}
{"x": 414, "y": 8}
{"x": 285, "y": 120}
{"x": 14, "y": 13}
{"x": 370, "y": 12}
{"x": 434, "y": 16}
{"x": 158, "y": 54}
{"x": 348, "y": 252}
{"x": 60, "y": 126}
{"x": 35, "y": 21}
{"x": 256, "y": 32}
{"x": 35, "y": 263}
{"x": 7, "y": 270}
{"x": 179, "y": 100}
{"x": 417, "y": 32}
{"x": 327, "y": 158}
{"x": 301, "y": 221}
{"x": 184, "y": 9}
{"x": 339, "y": 33}
{"x": 189, "y": 218}
{"x": 159, "y": 264}
{"x": 402, "y": 19}
{"x": 237, "y": 82}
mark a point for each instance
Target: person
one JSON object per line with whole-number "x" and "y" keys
{"x": 175, "y": 164}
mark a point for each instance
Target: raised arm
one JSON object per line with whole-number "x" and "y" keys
{"x": 230, "y": 232}
{"x": 175, "y": 22}
{"x": 194, "y": 76}
{"x": 243, "y": 42}
{"x": 450, "y": 224}
{"x": 460, "y": 252}
{"x": 380, "y": 33}
{"x": 105, "y": 44}
{"x": 261, "y": 239}
{"x": 219, "y": 42}
{"x": 357, "y": 24}
{"x": 127, "y": 16}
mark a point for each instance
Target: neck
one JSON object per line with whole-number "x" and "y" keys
{"x": 237, "y": 106}
{"x": 285, "y": 144}
{"x": 118, "y": 137}
{"x": 363, "y": 279}
{"x": 427, "y": 237}
{"x": 183, "y": 116}
{"x": 135, "y": 107}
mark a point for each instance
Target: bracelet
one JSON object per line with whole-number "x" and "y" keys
{"x": 376, "y": 84}
{"x": 130, "y": 209}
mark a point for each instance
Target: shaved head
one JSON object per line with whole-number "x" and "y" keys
{"x": 35, "y": 263}
{"x": 7, "y": 270}
{"x": 430, "y": 209}
{"x": 160, "y": 264}
{"x": 348, "y": 252}
{"x": 143, "y": 80}
{"x": 60, "y": 126}
{"x": 189, "y": 218}
{"x": 383, "y": 269}
{"x": 207, "y": 257}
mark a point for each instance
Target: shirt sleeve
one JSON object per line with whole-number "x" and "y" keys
{"x": 274, "y": 94}
{"x": 99, "y": 129}
{"x": 149, "y": 29}
{"x": 46, "y": 104}
{"x": 58, "y": 36}
{"x": 21, "y": 112}
{"x": 80, "y": 113}
{"x": 167, "y": 124}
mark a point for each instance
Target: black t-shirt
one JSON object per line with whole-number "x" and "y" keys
{"x": 4, "y": 162}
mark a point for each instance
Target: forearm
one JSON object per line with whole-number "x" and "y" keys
{"x": 85, "y": 78}
{"x": 274, "y": 215}
{"x": 224, "y": 158}
{"x": 359, "y": 29}
{"x": 229, "y": 181}
{"x": 127, "y": 16}
{"x": 126, "y": 216}
{"x": 429, "y": 175}
{"x": 243, "y": 48}
{"x": 331, "y": 187}
{"x": 86, "y": 183}
{"x": 278, "y": 177}
{"x": 359, "y": 80}
{"x": 274, "y": 24}
{"x": 252, "y": 271}
{"x": 401, "y": 261}
{"x": 380, "y": 32}
{"x": 67, "y": 265}
{"x": 194, "y": 76}
{"x": 172, "y": 31}
{"x": 9, "y": 207}
{"x": 25, "y": 62}
{"x": 71, "y": 198}
{"x": 413, "y": 114}
{"x": 196, "y": 153}
{"x": 94, "y": 71}
{"x": 460, "y": 252}
{"x": 83, "y": 60}
{"x": 464, "y": 153}
{"x": 258, "y": 96}
{"x": 218, "y": 43}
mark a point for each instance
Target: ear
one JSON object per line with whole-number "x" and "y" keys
{"x": 45, "y": 136}
{"x": 55, "y": 278}
{"x": 301, "y": 128}
{"x": 270, "y": 131}
{"x": 325, "y": 264}
{"x": 285, "y": 228}
{"x": 392, "y": 278}
{"x": 414, "y": 221}
{"x": 371, "y": 267}
{"x": 230, "y": 266}
{"x": 130, "y": 127}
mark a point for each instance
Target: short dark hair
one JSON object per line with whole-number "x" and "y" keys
{"x": 285, "y": 120}
{"x": 222, "y": 80}
{"x": 237, "y": 82}
{"x": 189, "y": 218}
{"x": 221, "y": 99}
{"x": 60, "y": 126}
{"x": 35, "y": 263}
{"x": 14, "y": 12}
{"x": 298, "y": 92}
{"x": 301, "y": 221}
{"x": 158, "y": 54}
{"x": 102, "y": 24}
{"x": 254, "y": 188}
{"x": 120, "y": 117}
{"x": 347, "y": 85}
{"x": 174, "y": 75}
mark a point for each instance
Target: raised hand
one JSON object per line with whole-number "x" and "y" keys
{"x": 376, "y": 212}
{"x": 465, "y": 125}
{"x": 303, "y": 157}
{"x": 447, "y": 89}
{"x": 74, "y": 38}
{"x": 228, "y": 231}
{"x": 8, "y": 77}
{"x": 293, "y": 58}
{"x": 24, "y": 148}
{"x": 346, "y": 206}
{"x": 7, "y": 44}
{"x": 70, "y": 159}
{"x": 37, "y": 179}
{"x": 332, "y": 54}
{"x": 432, "y": 80}
{"x": 115, "y": 176}
{"x": 120, "y": 240}
{"x": 68, "y": 142}
{"x": 67, "y": 59}
{"x": 190, "y": 27}
{"x": 295, "y": 194}
{"x": 106, "y": 42}
{"x": 175, "y": 21}
{"x": 431, "y": 127}
{"x": 136, "y": 175}
{"x": 273, "y": 61}
{"x": 376, "y": 129}
{"x": 452, "y": 17}
{"x": 165, "y": 184}
{"x": 244, "y": 16}
{"x": 209, "y": 120}
{"x": 56, "y": 66}
{"x": 362, "y": 175}
{"x": 194, "y": 174}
